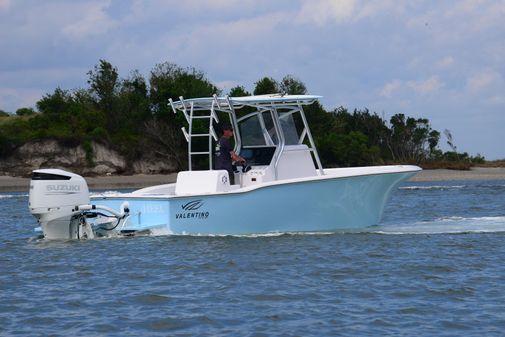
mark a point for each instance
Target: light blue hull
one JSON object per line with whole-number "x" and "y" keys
{"x": 316, "y": 205}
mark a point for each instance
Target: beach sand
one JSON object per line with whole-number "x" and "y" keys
{"x": 16, "y": 184}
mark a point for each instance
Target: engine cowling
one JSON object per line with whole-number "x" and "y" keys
{"x": 54, "y": 195}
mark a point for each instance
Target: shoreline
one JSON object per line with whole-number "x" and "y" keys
{"x": 18, "y": 184}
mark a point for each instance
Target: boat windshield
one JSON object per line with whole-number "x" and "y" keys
{"x": 259, "y": 129}
{"x": 291, "y": 136}
{"x": 252, "y": 132}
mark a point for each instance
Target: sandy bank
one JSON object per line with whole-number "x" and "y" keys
{"x": 476, "y": 173}
{"x": 12, "y": 184}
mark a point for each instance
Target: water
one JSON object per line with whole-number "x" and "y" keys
{"x": 435, "y": 266}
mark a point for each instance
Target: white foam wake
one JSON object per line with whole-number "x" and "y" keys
{"x": 434, "y": 187}
{"x": 8, "y": 196}
{"x": 447, "y": 225}
{"x": 104, "y": 193}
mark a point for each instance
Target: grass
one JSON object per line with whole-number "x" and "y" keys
{"x": 493, "y": 163}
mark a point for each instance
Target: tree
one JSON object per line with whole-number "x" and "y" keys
{"x": 133, "y": 101}
{"x": 266, "y": 85}
{"x": 371, "y": 125}
{"x": 104, "y": 84}
{"x": 450, "y": 141}
{"x": 55, "y": 104}
{"x": 167, "y": 80}
{"x": 345, "y": 149}
{"x": 4, "y": 114}
{"x": 238, "y": 91}
{"x": 103, "y": 80}
{"x": 25, "y": 112}
{"x": 292, "y": 86}
{"x": 410, "y": 139}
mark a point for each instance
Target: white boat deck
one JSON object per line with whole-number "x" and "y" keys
{"x": 169, "y": 190}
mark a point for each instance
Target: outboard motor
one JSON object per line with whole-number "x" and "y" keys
{"x": 54, "y": 197}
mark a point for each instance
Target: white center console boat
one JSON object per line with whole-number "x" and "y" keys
{"x": 286, "y": 188}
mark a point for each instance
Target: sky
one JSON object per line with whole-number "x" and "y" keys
{"x": 441, "y": 60}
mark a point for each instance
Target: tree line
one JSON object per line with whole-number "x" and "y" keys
{"x": 131, "y": 115}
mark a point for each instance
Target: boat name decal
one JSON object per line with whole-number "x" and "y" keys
{"x": 192, "y": 215}
{"x": 189, "y": 208}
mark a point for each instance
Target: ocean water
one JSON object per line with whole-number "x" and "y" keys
{"x": 433, "y": 267}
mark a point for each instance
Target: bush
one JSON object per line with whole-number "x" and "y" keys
{"x": 25, "y": 112}
{"x": 88, "y": 149}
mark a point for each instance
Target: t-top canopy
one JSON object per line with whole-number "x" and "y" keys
{"x": 226, "y": 103}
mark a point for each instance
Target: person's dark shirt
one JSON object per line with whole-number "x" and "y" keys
{"x": 223, "y": 158}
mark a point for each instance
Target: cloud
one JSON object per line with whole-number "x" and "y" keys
{"x": 322, "y": 11}
{"x": 498, "y": 100}
{"x": 479, "y": 15}
{"x": 4, "y": 5}
{"x": 94, "y": 21}
{"x": 421, "y": 87}
{"x": 226, "y": 85}
{"x": 482, "y": 80}
{"x": 425, "y": 87}
{"x": 446, "y": 62}
{"x": 390, "y": 88}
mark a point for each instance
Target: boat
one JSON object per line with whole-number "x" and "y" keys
{"x": 282, "y": 187}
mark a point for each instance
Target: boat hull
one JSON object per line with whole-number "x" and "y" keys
{"x": 313, "y": 205}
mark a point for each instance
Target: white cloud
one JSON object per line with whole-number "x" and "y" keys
{"x": 498, "y": 100}
{"x": 390, "y": 88}
{"x": 226, "y": 85}
{"x": 446, "y": 62}
{"x": 323, "y": 11}
{"x": 482, "y": 80}
{"x": 478, "y": 15}
{"x": 94, "y": 21}
{"x": 421, "y": 87}
{"x": 4, "y": 5}
{"x": 425, "y": 87}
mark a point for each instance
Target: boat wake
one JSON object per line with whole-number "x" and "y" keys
{"x": 10, "y": 196}
{"x": 446, "y": 225}
{"x": 433, "y": 187}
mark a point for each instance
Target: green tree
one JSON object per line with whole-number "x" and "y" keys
{"x": 134, "y": 100}
{"x": 266, "y": 85}
{"x": 239, "y": 91}
{"x": 167, "y": 80}
{"x": 66, "y": 115}
{"x": 369, "y": 124}
{"x": 104, "y": 85}
{"x": 25, "y": 112}
{"x": 411, "y": 140}
{"x": 345, "y": 149}
{"x": 292, "y": 86}
{"x": 55, "y": 104}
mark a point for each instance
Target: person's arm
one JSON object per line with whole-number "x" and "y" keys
{"x": 236, "y": 157}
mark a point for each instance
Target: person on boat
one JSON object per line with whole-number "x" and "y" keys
{"x": 225, "y": 156}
